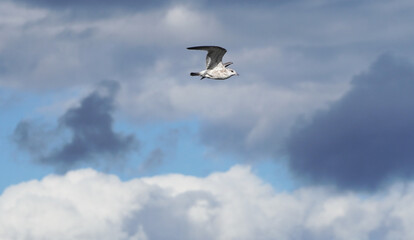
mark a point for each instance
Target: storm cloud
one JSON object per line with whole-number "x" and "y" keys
{"x": 365, "y": 139}
{"x": 91, "y": 128}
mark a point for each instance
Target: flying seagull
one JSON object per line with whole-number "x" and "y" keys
{"x": 215, "y": 68}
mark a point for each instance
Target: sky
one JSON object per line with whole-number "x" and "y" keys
{"x": 105, "y": 135}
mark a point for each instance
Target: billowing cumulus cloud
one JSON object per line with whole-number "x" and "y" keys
{"x": 90, "y": 126}
{"x": 86, "y": 204}
{"x": 365, "y": 139}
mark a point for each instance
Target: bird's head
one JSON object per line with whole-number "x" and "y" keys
{"x": 232, "y": 72}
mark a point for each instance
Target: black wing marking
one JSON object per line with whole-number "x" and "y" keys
{"x": 214, "y": 55}
{"x": 227, "y": 64}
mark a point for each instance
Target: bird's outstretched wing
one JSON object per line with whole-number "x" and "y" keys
{"x": 214, "y": 55}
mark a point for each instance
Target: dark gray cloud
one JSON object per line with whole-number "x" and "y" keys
{"x": 154, "y": 160}
{"x": 366, "y": 138}
{"x": 91, "y": 133}
{"x": 32, "y": 137}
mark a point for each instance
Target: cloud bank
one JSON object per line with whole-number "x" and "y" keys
{"x": 236, "y": 204}
{"x": 365, "y": 139}
{"x": 304, "y": 60}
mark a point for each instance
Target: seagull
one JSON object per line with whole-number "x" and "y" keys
{"x": 215, "y": 68}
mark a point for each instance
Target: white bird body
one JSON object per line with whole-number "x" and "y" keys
{"x": 219, "y": 72}
{"x": 215, "y": 69}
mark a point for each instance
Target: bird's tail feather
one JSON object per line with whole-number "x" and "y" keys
{"x": 194, "y": 74}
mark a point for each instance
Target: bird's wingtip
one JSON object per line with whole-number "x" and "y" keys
{"x": 208, "y": 48}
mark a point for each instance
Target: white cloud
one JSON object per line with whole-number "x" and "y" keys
{"x": 46, "y": 49}
{"x": 14, "y": 16}
{"x": 167, "y": 26}
{"x": 236, "y": 204}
